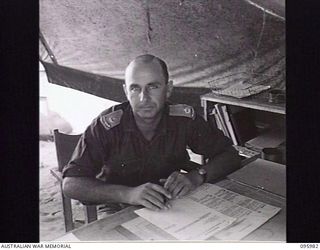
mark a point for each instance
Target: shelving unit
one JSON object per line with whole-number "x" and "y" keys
{"x": 257, "y": 103}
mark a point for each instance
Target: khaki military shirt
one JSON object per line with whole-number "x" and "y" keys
{"x": 114, "y": 150}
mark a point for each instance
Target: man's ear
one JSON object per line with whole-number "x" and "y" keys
{"x": 125, "y": 89}
{"x": 169, "y": 88}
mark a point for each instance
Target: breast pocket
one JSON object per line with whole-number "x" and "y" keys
{"x": 126, "y": 171}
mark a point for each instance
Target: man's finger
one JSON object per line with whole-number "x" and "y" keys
{"x": 183, "y": 191}
{"x": 162, "y": 180}
{"x": 149, "y": 205}
{"x": 177, "y": 189}
{"x": 154, "y": 201}
{"x": 173, "y": 186}
{"x": 157, "y": 195}
{"x": 171, "y": 179}
{"x": 161, "y": 190}
{"x": 178, "y": 179}
{"x": 168, "y": 204}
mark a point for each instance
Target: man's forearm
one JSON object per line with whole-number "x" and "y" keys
{"x": 222, "y": 165}
{"x": 94, "y": 191}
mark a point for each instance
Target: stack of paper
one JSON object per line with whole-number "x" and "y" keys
{"x": 241, "y": 89}
{"x": 208, "y": 212}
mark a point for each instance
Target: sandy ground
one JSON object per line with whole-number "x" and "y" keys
{"x": 50, "y": 207}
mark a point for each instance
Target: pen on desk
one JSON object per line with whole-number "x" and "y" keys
{"x": 166, "y": 199}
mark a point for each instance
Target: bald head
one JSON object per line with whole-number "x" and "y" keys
{"x": 148, "y": 59}
{"x": 147, "y": 87}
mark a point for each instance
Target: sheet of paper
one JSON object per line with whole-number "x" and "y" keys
{"x": 208, "y": 211}
{"x": 145, "y": 230}
{"x": 249, "y": 213}
{"x": 187, "y": 220}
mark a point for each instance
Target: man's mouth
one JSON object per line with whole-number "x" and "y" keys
{"x": 145, "y": 107}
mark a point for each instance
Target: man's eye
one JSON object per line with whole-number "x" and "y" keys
{"x": 134, "y": 89}
{"x": 153, "y": 86}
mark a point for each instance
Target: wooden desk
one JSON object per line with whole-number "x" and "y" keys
{"x": 242, "y": 182}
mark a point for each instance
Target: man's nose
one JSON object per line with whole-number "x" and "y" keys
{"x": 144, "y": 95}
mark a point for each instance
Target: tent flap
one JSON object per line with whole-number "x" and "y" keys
{"x": 110, "y": 88}
{"x": 102, "y": 86}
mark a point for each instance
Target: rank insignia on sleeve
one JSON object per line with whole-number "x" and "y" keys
{"x": 112, "y": 119}
{"x": 182, "y": 110}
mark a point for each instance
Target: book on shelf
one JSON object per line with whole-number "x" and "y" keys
{"x": 236, "y": 123}
{"x": 219, "y": 123}
{"x": 221, "y": 120}
{"x": 229, "y": 124}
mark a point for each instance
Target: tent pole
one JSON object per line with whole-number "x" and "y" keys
{"x": 46, "y": 45}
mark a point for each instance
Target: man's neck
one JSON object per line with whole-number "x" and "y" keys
{"x": 147, "y": 126}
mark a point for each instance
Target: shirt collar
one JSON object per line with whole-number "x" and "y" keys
{"x": 129, "y": 123}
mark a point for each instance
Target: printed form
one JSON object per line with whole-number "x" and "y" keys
{"x": 208, "y": 211}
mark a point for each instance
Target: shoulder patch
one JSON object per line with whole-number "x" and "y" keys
{"x": 112, "y": 119}
{"x": 182, "y": 110}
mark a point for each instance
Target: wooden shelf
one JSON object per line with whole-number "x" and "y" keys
{"x": 258, "y": 102}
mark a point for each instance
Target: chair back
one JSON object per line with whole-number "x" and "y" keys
{"x": 65, "y": 145}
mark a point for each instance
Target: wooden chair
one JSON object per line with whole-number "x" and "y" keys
{"x": 65, "y": 145}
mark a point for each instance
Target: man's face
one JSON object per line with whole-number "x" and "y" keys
{"x": 146, "y": 88}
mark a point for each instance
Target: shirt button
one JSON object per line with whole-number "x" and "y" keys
{"x": 123, "y": 165}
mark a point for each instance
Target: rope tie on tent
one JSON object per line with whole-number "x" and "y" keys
{"x": 259, "y": 41}
{"x": 265, "y": 10}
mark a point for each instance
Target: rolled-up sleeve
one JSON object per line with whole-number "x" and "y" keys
{"x": 205, "y": 139}
{"x": 87, "y": 158}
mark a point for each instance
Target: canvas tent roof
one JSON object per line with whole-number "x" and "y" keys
{"x": 91, "y": 42}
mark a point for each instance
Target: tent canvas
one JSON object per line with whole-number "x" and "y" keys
{"x": 86, "y": 45}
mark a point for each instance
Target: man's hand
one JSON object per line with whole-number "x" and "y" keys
{"x": 151, "y": 196}
{"x": 180, "y": 184}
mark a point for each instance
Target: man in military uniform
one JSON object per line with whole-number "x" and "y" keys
{"x": 132, "y": 153}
